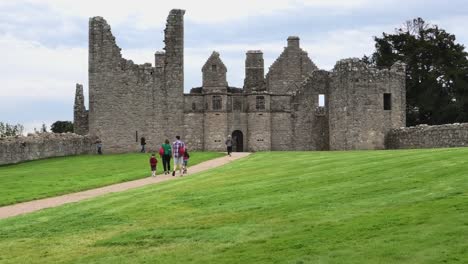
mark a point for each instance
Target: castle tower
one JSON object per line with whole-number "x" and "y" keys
{"x": 214, "y": 74}
{"x": 174, "y": 72}
{"x": 80, "y": 115}
{"x": 254, "y": 71}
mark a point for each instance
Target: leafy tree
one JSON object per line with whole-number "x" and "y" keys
{"x": 437, "y": 71}
{"x": 62, "y": 127}
{"x": 8, "y": 130}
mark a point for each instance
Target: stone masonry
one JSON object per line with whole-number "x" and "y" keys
{"x": 424, "y": 136}
{"x": 294, "y": 106}
{"x": 43, "y": 145}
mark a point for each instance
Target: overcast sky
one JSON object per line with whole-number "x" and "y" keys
{"x": 43, "y": 43}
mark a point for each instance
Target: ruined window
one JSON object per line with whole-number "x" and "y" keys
{"x": 217, "y": 101}
{"x": 260, "y": 103}
{"x": 237, "y": 104}
{"x": 321, "y": 100}
{"x": 194, "y": 106}
{"x": 387, "y": 101}
{"x": 136, "y": 136}
{"x": 214, "y": 67}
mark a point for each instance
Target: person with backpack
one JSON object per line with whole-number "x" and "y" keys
{"x": 165, "y": 152}
{"x": 153, "y": 163}
{"x": 186, "y": 159}
{"x": 178, "y": 150}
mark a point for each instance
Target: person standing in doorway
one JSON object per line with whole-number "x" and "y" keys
{"x": 143, "y": 144}
{"x": 153, "y": 164}
{"x": 178, "y": 150}
{"x": 166, "y": 156}
{"x": 229, "y": 145}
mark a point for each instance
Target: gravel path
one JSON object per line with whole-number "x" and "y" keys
{"x": 32, "y": 206}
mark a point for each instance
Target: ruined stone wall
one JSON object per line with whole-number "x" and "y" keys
{"x": 193, "y": 134}
{"x": 80, "y": 114}
{"x": 310, "y": 121}
{"x": 281, "y": 122}
{"x": 214, "y": 74}
{"x": 215, "y": 123}
{"x": 259, "y": 123}
{"x": 424, "y": 136}
{"x": 128, "y": 101}
{"x": 289, "y": 69}
{"x": 41, "y": 146}
{"x": 357, "y": 119}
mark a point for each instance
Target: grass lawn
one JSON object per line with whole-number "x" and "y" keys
{"x": 55, "y": 176}
{"x": 408, "y": 206}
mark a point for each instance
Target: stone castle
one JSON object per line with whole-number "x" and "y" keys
{"x": 295, "y": 106}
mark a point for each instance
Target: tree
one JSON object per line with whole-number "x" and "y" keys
{"x": 437, "y": 71}
{"x": 62, "y": 127}
{"x": 8, "y": 130}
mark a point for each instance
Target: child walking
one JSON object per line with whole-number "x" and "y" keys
{"x": 186, "y": 158}
{"x": 153, "y": 164}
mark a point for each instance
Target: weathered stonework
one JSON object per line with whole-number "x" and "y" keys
{"x": 80, "y": 117}
{"x": 424, "y": 136}
{"x": 44, "y": 145}
{"x": 276, "y": 111}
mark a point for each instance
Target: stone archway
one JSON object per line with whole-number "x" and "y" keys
{"x": 238, "y": 141}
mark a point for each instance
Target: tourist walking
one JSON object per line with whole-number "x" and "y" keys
{"x": 153, "y": 163}
{"x": 178, "y": 149}
{"x": 186, "y": 159}
{"x": 166, "y": 152}
{"x": 229, "y": 145}
{"x": 143, "y": 144}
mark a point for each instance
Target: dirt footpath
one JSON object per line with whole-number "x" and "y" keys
{"x": 36, "y": 205}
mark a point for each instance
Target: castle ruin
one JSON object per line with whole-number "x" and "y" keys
{"x": 295, "y": 106}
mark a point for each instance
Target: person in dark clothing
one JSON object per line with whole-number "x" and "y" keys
{"x": 166, "y": 156}
{"x": 143, "y": 144}
{"x": 229, "y": 145}
{"x": 99, "y": 146}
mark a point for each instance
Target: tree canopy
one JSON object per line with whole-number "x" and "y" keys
{"x": 437, "y": 71}
{"x": 9, "y": 130}
{"x": 62, "y": 127}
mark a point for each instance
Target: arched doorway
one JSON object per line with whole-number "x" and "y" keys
{"x": 238, "y": 141}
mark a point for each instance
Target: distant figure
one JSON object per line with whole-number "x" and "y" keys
{"x": 229, "y": 145}
{"x": 178, "y": 149}
{"x": 166, "y": 152}
{"x": 99, "y": 146}
{"x": 153, "y": 164}
{"x": 143, "y": 144}
{"x": 186, "y": 159}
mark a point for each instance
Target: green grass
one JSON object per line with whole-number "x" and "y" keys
{"x": 286, "y": 207}
{"x": 55, "y": 176}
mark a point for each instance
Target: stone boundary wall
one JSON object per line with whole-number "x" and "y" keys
{"x": 44, "y": 145}
{"x": 424, "y": 136}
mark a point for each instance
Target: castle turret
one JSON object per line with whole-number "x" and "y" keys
{"x": 214, "y": 74}
{"x": 80, "y": 114}
{"x": 254, "y": 71}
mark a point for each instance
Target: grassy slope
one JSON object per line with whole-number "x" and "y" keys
{"x": 51, "y": 177}
{"x": 323, "y": 207}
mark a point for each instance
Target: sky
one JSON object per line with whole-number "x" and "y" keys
{"x": 44, "y": 43}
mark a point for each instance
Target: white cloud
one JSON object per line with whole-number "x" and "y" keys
{"x": 30, "y": 69}
{"x": 153, "y": 13}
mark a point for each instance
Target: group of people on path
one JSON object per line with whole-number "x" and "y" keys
{"x": 177, "y": 150}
